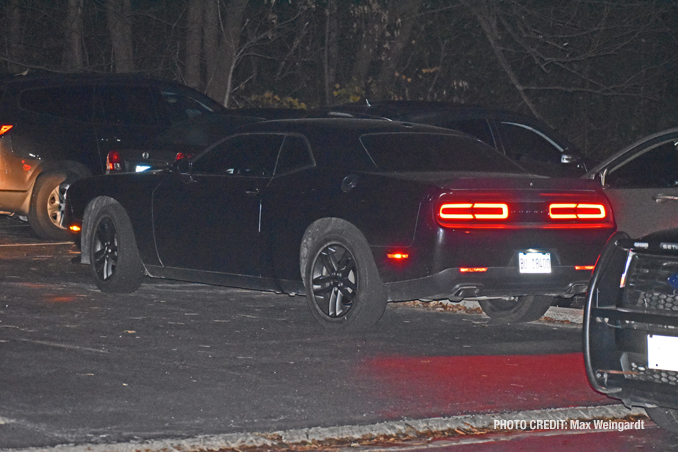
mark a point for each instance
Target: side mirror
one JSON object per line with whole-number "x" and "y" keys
{"x": 600, "y": 176}
{"x": 182, "y": 165}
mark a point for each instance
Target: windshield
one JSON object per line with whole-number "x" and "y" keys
{"x": 403, "y": 152}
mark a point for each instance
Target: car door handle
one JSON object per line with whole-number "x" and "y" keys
{"x": 663, "y": 198}
{"x": 252, "y": 192}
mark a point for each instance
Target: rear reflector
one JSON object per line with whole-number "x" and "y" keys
{"x": 4, "y": 128}
{"x": 473, "y": 269}
{"x": 397, "y": 256}
{"x": 113, "y": 161}
{"x": 584, "y": 267}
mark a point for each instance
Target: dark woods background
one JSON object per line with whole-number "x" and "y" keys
{"x": 601, "y": 72}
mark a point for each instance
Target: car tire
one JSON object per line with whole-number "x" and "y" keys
{"x": 343, "y": 288}
{"x": 518, "y": 309}
{"x": 47, "y": 206}
{"x": 666, "y": 418}
{"x": 114, "y": 258}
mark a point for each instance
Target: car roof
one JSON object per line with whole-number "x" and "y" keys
{"x": 394, "y": 108}
{"x": 344, "y": 125}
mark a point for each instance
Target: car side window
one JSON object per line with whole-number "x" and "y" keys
{"x": 478, "y": 128}
{"x": 525, "y": 143}
{"x": 655, "y": 168}
{"x": 125, "y": 105}
{"x": 71, "y": 102}
{"x": 295, "y": 154}
{"x": 180, "y": 108}
{"x": 242, "y": 155}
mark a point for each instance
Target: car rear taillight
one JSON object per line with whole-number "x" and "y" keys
{"x": 544, "y": 211}
{"x": 4, "y": 128}
{"x": 471, "y": 211}
{"x": 571, "y": 211}
{"x": 181, "y": 156}
{"x": 113, "y": 161}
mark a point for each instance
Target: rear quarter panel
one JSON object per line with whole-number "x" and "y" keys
{"x": 133, "y": 192}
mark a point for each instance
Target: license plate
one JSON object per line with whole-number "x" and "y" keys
{"x": 141, "y": 168}
{"x": 534, "y": 262}
{"x": 661, "y": 352}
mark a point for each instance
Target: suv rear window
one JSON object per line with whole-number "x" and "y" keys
{"x": 403, "y": 152}
{"x": 71, "y": 102}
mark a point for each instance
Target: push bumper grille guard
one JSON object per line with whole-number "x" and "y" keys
{"x": 617, "y": 319}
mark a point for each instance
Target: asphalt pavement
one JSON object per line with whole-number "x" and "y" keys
{"x": 178, "y": 366}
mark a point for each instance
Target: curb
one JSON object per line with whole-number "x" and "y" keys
{"x": 352, "y": 432}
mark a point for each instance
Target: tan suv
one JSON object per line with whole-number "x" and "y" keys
{"x": 55, "y": 129}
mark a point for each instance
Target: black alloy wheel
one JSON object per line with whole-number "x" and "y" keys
{"x": 335, "y": 280}
{"x": 114, "y": 258}
{"x": 105, "y": 249}
{"x": 343, "y": 288}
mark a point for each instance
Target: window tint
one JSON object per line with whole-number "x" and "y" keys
{"x": 295, "y": 154}
{"x": 656, "y": 168}
{"x": 72, "y": 102}
{"x": 180, "y": 107}
{"x": 524, "y": 143}
{"x": 404, "y": 152}
{"x": 245, "y": 155}
{"x": 129, "y": 105}
{"x": 479, "y": 128}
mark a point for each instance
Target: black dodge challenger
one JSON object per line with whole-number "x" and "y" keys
{"x": 351, "y": 212}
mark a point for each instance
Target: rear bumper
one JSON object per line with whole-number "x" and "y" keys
{"x": 495, "y": 282}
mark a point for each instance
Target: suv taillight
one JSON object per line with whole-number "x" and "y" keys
{"x": 113, "y": 161}
{"x": 4, "y": 128}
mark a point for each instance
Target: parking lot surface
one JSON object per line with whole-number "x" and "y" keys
{"x": 177, "y": 360}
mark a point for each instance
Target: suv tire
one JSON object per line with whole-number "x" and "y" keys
{"x": 46, "y": 209}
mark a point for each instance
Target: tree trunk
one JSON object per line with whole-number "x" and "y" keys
{"x": 118, "y": 17}
{"x": 394, "y": 50}
{"x": 376, "y": 24}
{"x": 15, "y": 42}
{"x": 74, "y": 57}
{"x": 220, "y": 81}
{"x": 194, "y": 28}
{"x": 211, "y": 37}
{"x": 331, "y": 54}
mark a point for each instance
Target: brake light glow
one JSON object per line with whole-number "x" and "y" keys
{"x": 572, "y": 211}
{"x": 4, "y": 128}
{"x": 474, "y": 211}
{"x": 584, "y": 267}
{"x": 473, "y": 269}
{"x": 113, "y": 161}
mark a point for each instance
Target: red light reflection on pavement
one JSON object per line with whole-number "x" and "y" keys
{"x": 451, "y": 385}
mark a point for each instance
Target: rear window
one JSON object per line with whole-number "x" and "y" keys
{"x": 403, "y": 152}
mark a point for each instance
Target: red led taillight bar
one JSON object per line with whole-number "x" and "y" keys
{"x": 489, "y": 214}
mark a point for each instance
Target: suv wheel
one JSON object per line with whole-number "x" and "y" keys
{"x": 47, "y": 206}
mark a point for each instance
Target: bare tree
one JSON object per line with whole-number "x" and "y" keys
{"x": 118, "y": 17}
{"x": 402, "y": 25}
{"x": 193, "y": 52}
{"x": 74, "y": 55}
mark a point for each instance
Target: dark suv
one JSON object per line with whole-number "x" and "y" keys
{"x": 59, "y": 128}
{"x": 534, "y": 145}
